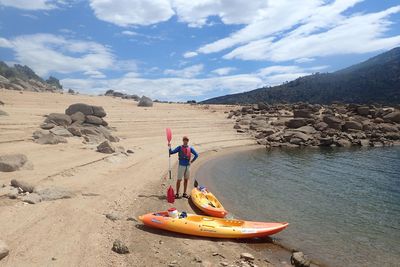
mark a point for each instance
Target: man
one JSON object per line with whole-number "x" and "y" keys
{"x": 185, "y": 152}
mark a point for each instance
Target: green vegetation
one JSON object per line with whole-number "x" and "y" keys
{"x": 376, "y": 80}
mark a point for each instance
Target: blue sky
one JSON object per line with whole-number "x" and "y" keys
{"x": 181, "y": 50}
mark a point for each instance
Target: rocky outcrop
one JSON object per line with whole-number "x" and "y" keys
{"x": 340, "y": 125}
{"x": 122, "y": 95}
{"x": 12, "y": 162}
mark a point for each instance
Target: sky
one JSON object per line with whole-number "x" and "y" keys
{"x": 180, "y": 50}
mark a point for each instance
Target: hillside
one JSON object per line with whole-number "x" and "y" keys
{"x": 376, "y": 80}
{"x": 23, "y": 78}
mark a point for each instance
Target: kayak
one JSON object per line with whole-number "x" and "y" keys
{"x": 207, "y": 202}
{"x": 193, "y": 224}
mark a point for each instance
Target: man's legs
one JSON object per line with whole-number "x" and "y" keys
{"x": 178, "y": 186}
{"x": 185, "y": 182}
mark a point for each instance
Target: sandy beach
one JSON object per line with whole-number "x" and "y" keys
{"x": 75, "y": 231}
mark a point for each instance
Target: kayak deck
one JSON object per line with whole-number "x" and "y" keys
{"x": 208, "y": 203}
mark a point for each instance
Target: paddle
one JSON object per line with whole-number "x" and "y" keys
{"x": 170, "y": 191}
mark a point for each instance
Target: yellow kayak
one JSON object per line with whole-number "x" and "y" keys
{"x": 207, "y": 202}
{"x": 198, "y": 225}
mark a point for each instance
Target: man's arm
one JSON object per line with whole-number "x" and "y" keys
{"x": 176, "y": 150}
{"x": 194, "y": 153}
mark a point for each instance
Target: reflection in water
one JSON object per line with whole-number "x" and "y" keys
{"x": 343, "y": 205}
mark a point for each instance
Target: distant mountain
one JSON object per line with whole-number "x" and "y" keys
{"x": 376, "y": 80}
{"x": 23, "y": 78}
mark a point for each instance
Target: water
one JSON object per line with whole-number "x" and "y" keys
{"x": 343, "y": 205}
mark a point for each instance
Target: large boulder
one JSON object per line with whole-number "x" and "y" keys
{"x": 106, "y": 147}
{"x": 145, "y": 102}
{"x": 4, "y": 250}
{"x": 84, "y": 108}
{"x": 99, "y": 111}
{"x": 50, "y": 139}
{"x": 60, "y": 131}
{"x": 352, "y": 125}
{"x": 306, "y": 129}
{"x": 393, "y": 117}
{"x": 25, "y": 186}
{"x": 333, "y": 122}
{"x": 78, "y": 117}
{"x": 302, "y": 113}
{"x": 296, "y": 123}
{"x": 58, "y": 119}
{"x": 12, "y": 162}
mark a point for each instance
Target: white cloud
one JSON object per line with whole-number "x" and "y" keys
{"x": 5, "y": 43}
{"x": 223, "y": 71}
{"x": 129, "y": 33}
{"x": 95, "y": 74}
{"x": 126, "y": 12}
{"x": 46, "y": 53}
{"x": 31, "y": 4}
{"x": 188, "y": 72}
{"x": 304, "y": 60}
{"x": 190, "y": 54}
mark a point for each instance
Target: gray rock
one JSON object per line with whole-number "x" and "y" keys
{"x": 78, "y": 117}
{"x": 74, "y": 130}
{"x": 84, "y": 108}
{"x": 198, "y": 259}
{"x": 299, "y": 260}
{"x": 302, "y": 136}
{"x": 296, "y": 123}
{"x": 32, "y": 198}
{"x": 306, "y": 129}
{"x": 321, "y": 126}
{"x": 326, "y": 141}
{"x": 12, "y": 162}
{"x": 363, "y": 111}
{"x": 302, "y": 113}
{"x": 119, "y": 247}
{"x": 4, "y": 250}
{"x": 89, "y": 130}
{"x": 393, "y": 117}
{"x": 99, "y": 111}
{"x": 47, "y": 126}
{"x": 8, "y": 190}
{"x": 54, "y": 193}
{"x": 106, "y": 147}
{"x": 93, "y": 139}
{"x": 343, "y": 142}
{"x": 333, "y": 122}
{"x": 236, "y": 126}
{"x": 50, "y": 139}
{"x": 387, "y": 127}
{"x": 113, "y": 216}
{"x": 130, "y": 151}
{"x": 246, "y": 256}
{"x": 25, "y": 186}
{"x": 3, "y": 113}
{"x": 61, "y": 131}
{"x": 352, "y": 125}
{"x": 392, "y": 136}
{"x": 39, "y": 133}
{"x": 93, "y": 120}
{"x": 145, "y": 102}
{"x": 107, "y": 134}
{"x": 58, "y": 119}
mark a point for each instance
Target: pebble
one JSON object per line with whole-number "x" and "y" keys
{"x": 119, "y": 247}
{"x": 198, "y": 259}
{"x": 224, "y": 263}
{"x": 131, "y": 219}
{"x": 247, "y": 256}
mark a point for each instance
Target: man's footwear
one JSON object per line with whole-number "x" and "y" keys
{"x": 185, "y": 195}
{"x": 177, "y": 196}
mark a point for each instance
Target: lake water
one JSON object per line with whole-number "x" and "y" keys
{"x": 343, "y": 205}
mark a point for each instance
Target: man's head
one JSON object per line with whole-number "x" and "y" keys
{"x": 185, "y": 140}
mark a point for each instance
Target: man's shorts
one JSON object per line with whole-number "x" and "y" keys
{"x": 183, "y": 172}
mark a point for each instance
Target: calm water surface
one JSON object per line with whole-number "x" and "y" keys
{"x": 343, "y": 205}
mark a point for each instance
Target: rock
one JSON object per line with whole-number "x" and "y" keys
{"x": 8, "y": 190}
{"x": 39, "y": 133}
{"x": 387, "y": 127}
{"x": 61, "y": 131}
{"x": 333, "y": 122}
{"x": 378, "y": 120}
{"x": 393, "y": 117}
{"x": 262, "y": 106}
{"x": 3, "y": 113}
{"x": 119, "y": 247}
{"x": 113, "y": 216}
{"x": 247, "y": 256}
{"x": 25, "y": 186}
{"x": 78, "y": 117}
{"x": 352, "y": 125}
{"x": 224, "y": 263}
{"x": 296, "y": 123}
{"x": 50, "y": 139}
{"x": 197, "y": 259}
{"x": 321, "y": 126}
{"x": 84, "y": 108}
{"x": 302, "y": 113}
{"x": 93, "y": 120}
{"x": 32, "y": 198}
{"x": 326, "y": 141}
{"x": 130, "y": 151}
{"x": 306, "y": 129}
{"x": 54, "y": 193}
{"x": 58, "y": 119}
{"x": 106, "y": 147}
{"x": 47, "y": 126}
{"x": 295, "y": 141}
{"x": 12, "y": 162}
{"x": 4, "y": 250}
{"x": 107, "y": 135}
{"x": 302, "y": 136}
{"x": 299, "y": 260}
{"x": 363, "y": 111}
{"x": 343, "y": 142}
{"x": 145, "y": 102}
{"x": 237, "y": 126}
{"x": 392, "y": 136}
{"x": 99, "y": 111}
{"x": 74, "y": 130}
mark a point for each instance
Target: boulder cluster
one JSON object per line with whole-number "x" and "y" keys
{"x": 32, "y": 85}
{"x": 79, "y": 120}
{"x": 340, "y": 125}
{"x": 122, "y": 95}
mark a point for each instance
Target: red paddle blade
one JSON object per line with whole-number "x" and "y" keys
{"x": 170, "y": 195}
{"x": 169, "y": 134}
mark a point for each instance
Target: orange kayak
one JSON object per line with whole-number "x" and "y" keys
{"x": 208, "y": 203}
{"x": 210, "y": 226}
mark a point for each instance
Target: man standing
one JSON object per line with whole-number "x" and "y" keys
{"x": 184, "y": 152}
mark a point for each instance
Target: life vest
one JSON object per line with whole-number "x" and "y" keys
{"x": 185, "y": 153}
